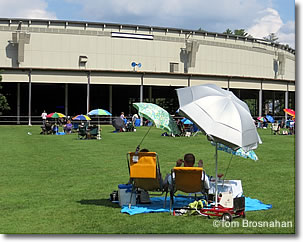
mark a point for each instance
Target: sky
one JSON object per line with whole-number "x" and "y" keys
{"x": 259, "y": 18}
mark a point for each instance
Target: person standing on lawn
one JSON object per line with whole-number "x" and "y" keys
{"x": 43, "y": 115}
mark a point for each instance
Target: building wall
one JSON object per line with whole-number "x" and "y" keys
{"x": 59, "y": 44}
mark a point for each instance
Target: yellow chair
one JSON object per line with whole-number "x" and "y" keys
{"x": 186, "y": 179}
{"x": 144, "y": 173}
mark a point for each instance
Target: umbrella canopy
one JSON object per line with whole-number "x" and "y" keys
{"x": 239, "y": 152}
{"x": 55, "y": 115}
{"x": 81, "y": 117}
{"x": 262, "y": 119}
{"x": 186, "y": 121}
{"x": 118, "y": 123}
{"x": 99, "y": 112}
{"x": 159, "y": 116}
{"x": 290, "y": 112}
{"x": 270, "y": 118}
{"x": 220, "y": 114}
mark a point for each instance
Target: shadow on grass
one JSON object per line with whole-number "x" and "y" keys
{"x": 99, "y": 202}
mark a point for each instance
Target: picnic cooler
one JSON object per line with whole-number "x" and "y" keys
{"x": 124, "y": 194}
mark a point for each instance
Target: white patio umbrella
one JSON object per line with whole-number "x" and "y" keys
{"x": 222, "y": 116}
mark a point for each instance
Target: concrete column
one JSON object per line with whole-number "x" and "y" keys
{"x": 286, "y": 101}
{"x": 88, "y": 93}
{"x": 260, "y": 101}
{"x": 66, "y": 99}
{"x": 30, "y": 98}
{"x": 110, "y": 90}
{"x": 273, "y": 102}
{"x": 141, "y": 96}
{"x": 141, "y": 89}
{"x": 18, "y": 103}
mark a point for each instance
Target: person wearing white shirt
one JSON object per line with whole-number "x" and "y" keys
{"x": 43, "y": 115}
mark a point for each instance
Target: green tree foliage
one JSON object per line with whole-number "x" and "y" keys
{"x": 228, "y": 31}
{"x": 239, "y": 32}
{"x": 272, "y": 38}
{"x": 3, "y": 101}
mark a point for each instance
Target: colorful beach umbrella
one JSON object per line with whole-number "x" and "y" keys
{"x": 290, "y": 112}
{"x": 262, "y": 119}
{"x": 55, "y": 115}
{"x": 81, "y": 117}
{"x": 159, "y": 116}
{"x": 99, "y": 112}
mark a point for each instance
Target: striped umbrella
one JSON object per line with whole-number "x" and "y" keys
{"x": 262, "y": 119}
{"x": 81, "y": 117}
{"x": 55, "y": 115}
{"x": 99, "y": 112}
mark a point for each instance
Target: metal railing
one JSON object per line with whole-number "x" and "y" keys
{"x": 37, "y": 120}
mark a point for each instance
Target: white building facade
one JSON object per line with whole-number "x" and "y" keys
{"x": 73, "y": 67}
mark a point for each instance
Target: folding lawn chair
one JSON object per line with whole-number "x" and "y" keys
{"x": 186, "y": 179}
{"x": 82, "y": 132}
{"x": 144, "y": 173}
{"x": 93, "y": 132}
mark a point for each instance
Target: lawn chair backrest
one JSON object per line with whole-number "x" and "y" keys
{"x": 188, "y": 179}
{"x": 75, "y": 125}
{"x": 143, "y": 165}
{"x": 94, "y": 131}
{"x": 82, "y": 130}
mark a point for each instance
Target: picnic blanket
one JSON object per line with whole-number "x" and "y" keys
{"x": 156, "y": 205}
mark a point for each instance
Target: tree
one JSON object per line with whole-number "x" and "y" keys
{"x": 228, "y": 31}
{"x": 3, "y": 101}
{"x": 240, "y": 32}
{"x": 203, "y": 30}
{"x": 272, "y": 38}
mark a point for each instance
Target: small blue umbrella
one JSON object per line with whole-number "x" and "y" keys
{"x": 239, "y": 152}
{"x": 186, "y": 121}
{"x": 270, "y": 118}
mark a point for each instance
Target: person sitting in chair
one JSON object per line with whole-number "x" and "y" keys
{"x": 55, "y": 128}
{"x": 68, "y": 127}
{"x": 189, "y": 161}
{"x": 48, "y": 127}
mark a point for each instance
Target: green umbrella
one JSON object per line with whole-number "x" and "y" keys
{"x": 159, "y": 116}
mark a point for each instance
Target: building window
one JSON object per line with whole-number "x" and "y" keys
{"x": 173, "y": 67}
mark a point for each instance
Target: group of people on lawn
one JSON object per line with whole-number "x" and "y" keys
{"x": 53, "y": 128}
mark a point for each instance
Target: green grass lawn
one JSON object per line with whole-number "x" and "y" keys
{"x": 59, "y": 184}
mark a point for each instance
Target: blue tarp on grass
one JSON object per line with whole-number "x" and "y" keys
{"x": 157, "y": 203}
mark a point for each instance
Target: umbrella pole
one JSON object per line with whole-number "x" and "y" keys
{"x": 138, "y": 147}
{"x": 99, "y": 135}
{"x": 216, "y": 188}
